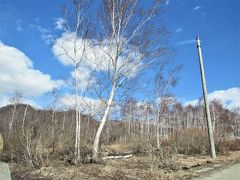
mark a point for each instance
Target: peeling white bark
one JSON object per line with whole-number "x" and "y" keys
{"x": 24, "y": 118}
{"x": 12, "y": 119}
{"x": 102, "y": 123}
{"x": 158, "y": 137}
{"x": 117, "y": 157}
{"x": 77, "y": 120}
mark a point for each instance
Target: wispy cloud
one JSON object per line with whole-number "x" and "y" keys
{"x": 59, "y": 23}
{"x": 197, "y": 7}
{"x": 185, "y": 42}
{"x": 199, "y": 10}
{"x": 167, "y": 2}
{"x": 46, "y": 33}
{"x": 179, "y": 29}
{"x": 19, "y": 25}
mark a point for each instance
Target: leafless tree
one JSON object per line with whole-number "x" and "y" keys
{"x": 163, "y": 84}
{"x": 131, "y": 41}
{"x": 78, "y": 28}
{"x": 16, "y": 98}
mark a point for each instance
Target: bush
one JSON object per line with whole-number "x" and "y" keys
{"x": 234, "y": 145}
{"x": 191, "y": 141}
{"x": 224, "y": 146}
{"x": 195, "y": 141}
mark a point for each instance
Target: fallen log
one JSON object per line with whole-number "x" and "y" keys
{"x": 117, "y": 157}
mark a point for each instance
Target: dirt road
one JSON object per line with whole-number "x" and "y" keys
{"x": 229, "y": 173}
{"x": 4, "y": 171}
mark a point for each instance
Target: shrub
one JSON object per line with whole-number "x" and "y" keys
{"x": 191, "y": 141}
{"x": 224, "y": 146}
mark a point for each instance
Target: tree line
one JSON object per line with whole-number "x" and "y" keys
{"x": 38, "y": 137}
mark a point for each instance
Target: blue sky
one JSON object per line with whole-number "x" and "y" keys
{"x": 218, "y": 25}
{"x": 29, "y": 26}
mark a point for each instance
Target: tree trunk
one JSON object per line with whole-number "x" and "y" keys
{"x": 79, "y": 135}
{"x": 148, "y": 124}
{"x": 77, "y": 120}
{"x": 129, "y": 128}
{"x": 158, "y": 137}
{"x": 24, "y": 118}
{"x": 63, "y": 128}
{"x": 52, "y": 131}
{"x": 141, "y": 129}
{"x": 103, "y": 121}
{"x": 13, "y": 114}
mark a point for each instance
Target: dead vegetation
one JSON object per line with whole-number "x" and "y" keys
{"x": 137, "y": 167}
{"x": 43, "y": 148}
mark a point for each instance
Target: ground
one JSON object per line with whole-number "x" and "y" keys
{"x": 135, "y": 167}
{"x": 4, "y": 171}
{"x": 228, "y": 172}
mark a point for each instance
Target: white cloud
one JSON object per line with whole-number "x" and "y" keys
{"x": 6, "y": 100}
{"x": 229, "y": 97}
{"x": 185, "y": 42}
{"x": 179, "y": 29}
{"x": 87, "y": 105}
{"x": 59, "y": 23}
{"x": 85, "y": 80}
{"x": 17, "y": 73}
{"x": 63, "y": 49}
{"x": 197, "y": 7}
{"x": 96, "y": 56}
{"x": 192, "y": 102}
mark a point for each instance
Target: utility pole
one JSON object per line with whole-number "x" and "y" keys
{"x": 207, "y": 111}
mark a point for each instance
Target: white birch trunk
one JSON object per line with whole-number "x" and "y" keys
{"x": 24, "y": 118}
{"x": 148, "y": 123}
{"x": 88, "y": 129}
{"x": 142, "y": 130}
{"x": 102, "y": 123}
{"x": 63, "y": 127}
{"x": 129, "y": 123}
{"x": 12, "y": 119}
{"x": 125, "y": 134}
{"x": 52, "y": 131}
{"x": 77, "y": 133}
{"x": 158, "y": 137}
{"x": 129, "y": 128}
{"x": 214, "y": 118}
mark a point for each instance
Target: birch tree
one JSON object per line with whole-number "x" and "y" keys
{"x": 162, "y": 96}
{"x": 17, "y": 97}
{"x": 132, "y": 39}
{"x": 72, "y": 49}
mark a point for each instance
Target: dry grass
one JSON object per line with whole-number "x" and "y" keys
{"x": 191, "y": 141}
{"x": 136, "y": 167}
{"x": 230, "y": 145}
